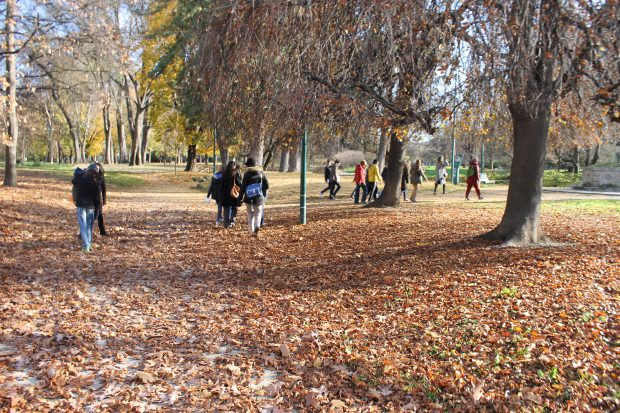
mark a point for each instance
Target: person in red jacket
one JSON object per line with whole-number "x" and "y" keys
{"x": 473, "y": 178}
{"x": 360, "y": 182}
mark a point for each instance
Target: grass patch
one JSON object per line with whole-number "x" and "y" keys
{"x": 586, "y": 206}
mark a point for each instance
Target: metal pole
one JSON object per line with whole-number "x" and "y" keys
{"x": 454, "y": 173}
{"x": 302, "y": 179}
{"x": 482, "y": 157}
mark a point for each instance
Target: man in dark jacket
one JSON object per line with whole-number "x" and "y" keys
{"x": 101, "y": 181}
{"x": 254, "y": 191}
{"x": 87, "y": 201}
{"x": 327, "y": 173}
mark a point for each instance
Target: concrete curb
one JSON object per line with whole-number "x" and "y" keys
{"x": 581, "y": 192}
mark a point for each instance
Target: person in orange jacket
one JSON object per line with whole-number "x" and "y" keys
{"x": 473, "y": 179}
{"x": 360, "y": 182}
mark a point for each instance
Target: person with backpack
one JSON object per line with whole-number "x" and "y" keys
{"x": 87, "y": 197}
{"x": 360, "y": 182}
{"x": 102, "y": 188}
{"x": 372, "y": 180}
{"x": 230, "y": 191}
{"x": 473, "y": 179}
{"x": 334, "y": 179}
{"x": 417, "y": 174}
{"x": 326, "y": 175}
{"x": 254, "y": 191}
{"x": 441, "y": 175}
{"x": 214, "y": 193}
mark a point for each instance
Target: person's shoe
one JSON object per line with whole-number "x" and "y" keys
{"x": 255, "y": 233}
{"x": 332, "y": 197}
{"x": 320, "y": 194}
{"x": 480, "y": 197}
{"x": 466, "y": 199}
{"x": 435, "y": 193}
{"x": 105, "y": 234}
{"x": 87, "y": 249}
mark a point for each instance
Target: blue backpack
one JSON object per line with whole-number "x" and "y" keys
{"x": 255, "y": 190}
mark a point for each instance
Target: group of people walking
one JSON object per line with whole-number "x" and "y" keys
{"x": 230, "y": 190}
{"x": 368, "y": 178}
{"x": 89, "y": 196}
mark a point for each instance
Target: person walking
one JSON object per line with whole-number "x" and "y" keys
{"x": 334, "y": 179}
{"x": 87, "y": 197}
{"x": 417, "y": 174}
{"x": 326, "y": 175}
{"x": 360, "y": 182}
{"x": 254, "y": 191}
{"x": 404, "y": 180}
{"x": 441, "y": 174}
{"x": 473, "y": 178}
{"x": 229, "y": 193}
{"x": 100, "y": 177}
{"x": 373, "y": 180}
{"x": 214, "y": 193}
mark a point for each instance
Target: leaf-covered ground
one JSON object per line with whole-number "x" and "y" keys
{"x": 361, "y": 310}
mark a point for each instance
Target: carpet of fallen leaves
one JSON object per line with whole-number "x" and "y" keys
{"x": 361, "y": 310}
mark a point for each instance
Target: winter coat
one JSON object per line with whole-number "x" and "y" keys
{"x": 87, "y": 192}
{"x": 360, "y": 175}
{"x": 214, "y": 187}
{"x": 417, "y": 175}
{"x": 404, "y": 179}
{"x": 327, "y": 173}
{"x": 473, "y": 173}
{"x": 254, "y": 175}
{"x": 373, "y": 173}
{"x": 441, "y": 173}
{"x": 333, "y": 173}
{"x": 227, "y": 183}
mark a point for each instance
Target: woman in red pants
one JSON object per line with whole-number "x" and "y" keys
{"x": 473, "y": 178}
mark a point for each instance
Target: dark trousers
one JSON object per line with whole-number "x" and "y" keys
{"x": 230, "y": 213}
{"x": 327, "y": 188}
{"x": 100, "y": 223}
{"x": 373, "y": 190}
{"x": 358, "y": 188}
{"x": 334, "y": 187}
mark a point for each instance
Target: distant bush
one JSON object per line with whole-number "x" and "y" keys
{"x": 349, "y": 159}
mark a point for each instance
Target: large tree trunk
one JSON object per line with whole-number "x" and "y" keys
{"x": 294, "y": 160}
{"x": 576, "y": 160}
{"x": 108, "y": 157}
{"x": 390, "y": 196}
{"x": 120, "y": 135}
{"x": 61, "y": 155}
{"x": 257, "y": 146}
{"x": 520, "y": 224}
{"x": 10, "y": 163}
{"x": 284, "y": 160}
{"x": 146, "y": 134}
{"x": 49, "y": 126}
{"x": 191, "y": 158}
{"x": 382, "y": 149}
{"x": 595, "y": 156}
{"x": 587, "y": 160}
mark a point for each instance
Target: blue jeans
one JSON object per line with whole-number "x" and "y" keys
{"x": 358, "y": 188}
{"x": 220, "y": 213}
{"x": 86, "y": 217}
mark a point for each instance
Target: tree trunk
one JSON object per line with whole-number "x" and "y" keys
{"x": 294, "y": 160}
{"x": 223, "y": 155}
{"x": 257, "y": 146}
{"x": 576, "y": 160}
{"x": 587, "y": 160}
{"x": 146, "y": 134}
{"x": 596, "y": 154}
{"x": 382, "y": 149}
{"x": 390, "y": 196}
{"x": 120, "y": 135}
{"x": 284, "y": 160}
{"x": 191, "y": 158}
{"x": 10, "y": 163}
{"x": 269, "y": 156}
{"x": 520, "y": 224}
{"x": 108, "y": 157}
{"x": 61, "y": 155}
{"x": 49, "y": 125}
